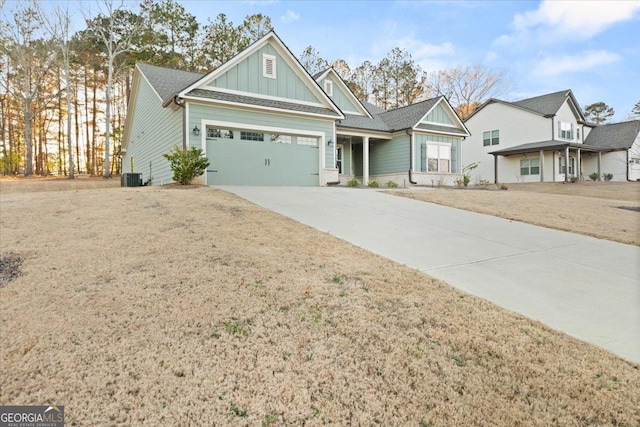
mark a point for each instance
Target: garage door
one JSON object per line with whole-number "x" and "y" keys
{"x": 245, "y": 157}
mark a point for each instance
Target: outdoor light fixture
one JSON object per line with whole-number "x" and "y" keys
{"x": 196, "y": 131}
{"x": 329, "y": 142}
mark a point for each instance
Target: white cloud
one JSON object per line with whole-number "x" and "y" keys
{"x": 290, "y": 16}
{"x": 552, "y": 66}
{"x": 581, "y": 20}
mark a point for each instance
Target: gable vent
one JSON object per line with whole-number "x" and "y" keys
{"x": 269, "y": 66}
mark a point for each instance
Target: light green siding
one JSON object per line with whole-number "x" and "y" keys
{"x": 389, "y": 156}
{"x": 341, "y": 99}
{"x": 247, "y": 76}
{"x": 439, "y": 115}
{"x": 420, "y": 139}
{"x": 154, "y": 130}
{"x": 254, "y": 120}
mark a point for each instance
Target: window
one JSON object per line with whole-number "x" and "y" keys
{"x": 281, "y": 139}
{"x": 530, "y": 167}
{"x": 251, "y": 136}
{"x": 435, "y": 158}
{"x": 491, "y": 137}
{"x": 578, "y": 134}
{"x": 219, "y": 133}
{"x": 328, "y": 87}
{"x": 269, "y": 66}
{"x": 562, "y": 168}
{"x": 565, "y": 130}
{"x": 305, "y": 140}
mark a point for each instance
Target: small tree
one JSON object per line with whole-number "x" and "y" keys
{"x": 187, "y": 164}
{"x": 598, "y": 112}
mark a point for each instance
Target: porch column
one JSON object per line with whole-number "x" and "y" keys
{"x": 578, "y": 167}
{"x": 553, "y": 166}
{"x": 566, "y": 164}
{"x": 599, "y": 163}
{"x": 365, "y": 161}
{"x": 541, "y": 166}
{"x": 495, "y": 168}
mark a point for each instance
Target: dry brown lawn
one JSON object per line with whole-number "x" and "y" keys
{"x": 607, "y": 210}
{"x": 190, "y": 306}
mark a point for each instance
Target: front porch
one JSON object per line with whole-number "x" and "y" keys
{"x": 550, "y": 161}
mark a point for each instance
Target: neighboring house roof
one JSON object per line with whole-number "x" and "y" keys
{"x": 532, "y": 147}
{"x": 544, "y": 105}
{"x": 615, "y": 136}
{"x": 167, "y": 81}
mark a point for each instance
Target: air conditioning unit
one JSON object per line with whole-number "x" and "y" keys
{"x": 131, "y": 180}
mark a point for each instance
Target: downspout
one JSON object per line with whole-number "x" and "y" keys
{"x": 180, "y": 103}
{"x": 411, "y": 181}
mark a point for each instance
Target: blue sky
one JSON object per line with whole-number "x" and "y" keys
{"x": 590, "y": 47}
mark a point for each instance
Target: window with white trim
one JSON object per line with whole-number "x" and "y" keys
{"x": 491, "y": 137}
{"x": 328, "y": 87}
{"x": 219, "y": 133}
{"x": 530, "y": 166}
{"x": 565, "y": 130}
{"x": 251, "y": 136}
{"x": 561, "y": 165}
{"x": 269, "y": 66}
{"x": 306, "y": 140}
{"x": 281, "y": 139}
{"x": 435, "y": 158}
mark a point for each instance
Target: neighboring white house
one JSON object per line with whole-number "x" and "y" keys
{"x": 535, "y": 139}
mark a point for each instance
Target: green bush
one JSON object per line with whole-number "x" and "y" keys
{"x": 373, "y": 183}
{"x": 353, "y": 183}
{"x": 593, "y": 176}
{"x": 608, "y": 176}
{"x": 392, "y": 184}
{"x": 573, "y": 179}
{"x": 187, "y": 164}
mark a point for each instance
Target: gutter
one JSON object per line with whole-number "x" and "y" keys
{"x": 411, "y": 181}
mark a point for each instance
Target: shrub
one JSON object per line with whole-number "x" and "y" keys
{"x": 573, "y": 179}
{"x": 608, "y": 176}
{"x": 187, "y": 164}
{"x": 593, "y": 176}
{"x": 373, "y": 183}
{"x": 392, "y": 184}
{"x": 353, "y": 183}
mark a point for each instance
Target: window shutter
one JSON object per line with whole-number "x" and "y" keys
{"x": 454, "y": 158}
{"x": 423, "y": 157}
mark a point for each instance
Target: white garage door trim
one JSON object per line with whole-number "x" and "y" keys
{"x": 269, "y": 129}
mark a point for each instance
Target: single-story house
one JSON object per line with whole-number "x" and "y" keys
{"x": 545, "y": 139}
{"x": 262, "y": 119}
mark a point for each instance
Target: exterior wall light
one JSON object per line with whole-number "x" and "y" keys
{"x": 196, "y": 131}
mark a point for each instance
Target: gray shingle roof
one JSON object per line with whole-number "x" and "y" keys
{"x": 167, "y": 81}
{"x": 407, "y": 117}
{"x": 542, "y": 145}
{"x": 437, "y": 128}
{"x": 615, "y": 136}
{"x": 363, "y": 122}
{"x": 544, "y": 104}
{"x": 249, "y": 100}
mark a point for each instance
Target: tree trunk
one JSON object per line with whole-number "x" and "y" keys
{"x": 107, "y": 159}
{"x": 86, "y": 124}
{"x": 69, "y": 144}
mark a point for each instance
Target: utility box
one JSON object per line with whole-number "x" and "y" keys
{"x": 131, "y": 180}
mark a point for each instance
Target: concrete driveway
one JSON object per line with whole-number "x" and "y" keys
{"x": 586, "y": 287}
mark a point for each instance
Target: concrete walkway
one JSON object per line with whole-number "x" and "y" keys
{"x": 586, "y": 287}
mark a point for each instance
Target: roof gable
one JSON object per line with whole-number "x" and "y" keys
{"x": 244, "y": 76}
{"x": 435, "y": 115}
{"x": 342, "y": 95}
{"x": 543, "y": 105}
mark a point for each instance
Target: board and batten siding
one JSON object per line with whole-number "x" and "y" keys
{"x": 250, "y": 119}
{"x": 340, "y": 99}
{"x": 247, "y": 77}
{"x": 438, "y": 115}
{"x": 154, "y": 130}
{"x": 387, "y": 157}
